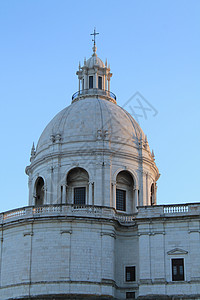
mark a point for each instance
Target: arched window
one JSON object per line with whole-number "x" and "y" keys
{"x": 100, "y": 82}
{"x": 39, "y": 198}
{"x": 152, "y": 198}
{"x": 124, "y": 192}
{"x": 90, "y": 82}
{"x": 77, "y": 186}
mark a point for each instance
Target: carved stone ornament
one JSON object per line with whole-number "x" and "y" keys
{"x": 177, "y": 251}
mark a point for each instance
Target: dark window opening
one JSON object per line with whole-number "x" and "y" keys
{"x": 152, "y": 195}
{"x": 100, "y": 82}
{"x": 130, "y": 295}
{"x": 79, "y": 195}
{"x": 83, "y": 85}
{"x": 61, "y": 197}
{"x": 130, "y": 273}
{"x": 90, "y": 82}
{"x": 39, "y": 200}
{"x": 121, "y": 200}
{"x": 178, "y": 269}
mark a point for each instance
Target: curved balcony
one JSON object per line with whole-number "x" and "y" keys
{"x": 94, "y": 92}
{"x": 90, "y": 211}
{"x": 66, "y": 210}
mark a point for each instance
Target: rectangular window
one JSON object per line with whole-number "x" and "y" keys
{"x": 83, "y": 84}
{"x": 178, "y": 269}
{"x": 130, "y": 295}
{"x": 100, "y": 82}
{"x": 79, "y": 195}
{"x": 90, "y": 82}
{"x": 121, "y": 200}
{"x": 130, "y": 273}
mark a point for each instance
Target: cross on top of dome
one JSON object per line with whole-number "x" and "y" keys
{"x": 94, "y": 40}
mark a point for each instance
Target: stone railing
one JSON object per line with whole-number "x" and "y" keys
{"x": 173, "y": 209}
{"x": 92, "y": 92}
{"x": 89, "y": 211}
{"x": 66, "y": 211}
{"x": 168, "y": 210}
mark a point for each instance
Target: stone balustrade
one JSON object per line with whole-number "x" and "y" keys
{"x": 176, "y": 209}
{"x": 93, "y": 92}
{"x": 65, "y": 210}
{"x": 169, "y": 210}
{"x": 71, "y": 210}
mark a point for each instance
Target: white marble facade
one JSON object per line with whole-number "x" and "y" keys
{"x": 92, "y": 227}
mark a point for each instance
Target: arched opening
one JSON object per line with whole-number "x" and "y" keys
{"x": 152, "y": 197}
{"x": 125, "y": 192}
{"x": 91, "y": 82}
{"x": 77, "y": 186}
{"x": 39, "y": 188}
{"x": 100, "y": 82}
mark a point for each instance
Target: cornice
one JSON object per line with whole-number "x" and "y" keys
{"x": 92, "y": 152}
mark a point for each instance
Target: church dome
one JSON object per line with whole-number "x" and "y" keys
{"x": 88, "y": 120}
{"x": 93, "y": 147}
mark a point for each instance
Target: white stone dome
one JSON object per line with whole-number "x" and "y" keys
{"x": 93, "y": 140}
{"x": 94, "y": 60}
{"x": 88, "y": 120}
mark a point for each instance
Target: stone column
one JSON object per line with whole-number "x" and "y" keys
{"x": 114, "y": 194}
{"x": 65, "y": 253}
{"x": 193, "y": 239}
{"x": 98, "y": 178}
{"x": 155, "y": 194}
{"x": 51, "y": 189}
{"x": 64, "y": 200}
{"x": 95, "y": 79}
{"x": 105, "y": 87}
{"x": 135, "y": 199}
{"x": 108, "y": 254}
{"x": 90, "y": 194}
{"x": 27, "y": 254}
{"x": 144, "y": 251}
{"x": 85, "y": 81}
{"x": 30, "y": 191}
{"x": 147, "y": 190}
{"x": 143, "y": 189}
{"x": 1, "y": 251}
{"x": 106, "y": 183}
{"x": 158, "y": 257}
{"x": 103, "y": 82}
{"x": 109, "y": 84}
{"x": 45, "y": 193}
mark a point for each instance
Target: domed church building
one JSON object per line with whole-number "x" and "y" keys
{"x": 92, "y": 229}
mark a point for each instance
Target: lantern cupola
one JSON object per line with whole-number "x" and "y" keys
{"x": 94, "y": 78}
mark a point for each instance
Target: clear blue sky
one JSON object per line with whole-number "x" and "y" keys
{"x": 152, "y": 46}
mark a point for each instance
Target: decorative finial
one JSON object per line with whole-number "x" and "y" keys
{"x": 153, "y": 155}
{"x": 85, "y": 61}
{"x": 79, "y": 65}
{"x": 32, "y": 152}
{"x": 94, "y": 40}
{"x": 33, "y": 148}
{"x": 106, "y": 63}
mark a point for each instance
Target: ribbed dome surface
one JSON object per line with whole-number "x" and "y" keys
{"x": 94, "y": 60}
{"x": 87, "y": 119}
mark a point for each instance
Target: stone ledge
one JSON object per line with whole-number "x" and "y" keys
{"x": 171, "y": 297}
{"x": 65, "y": 297}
